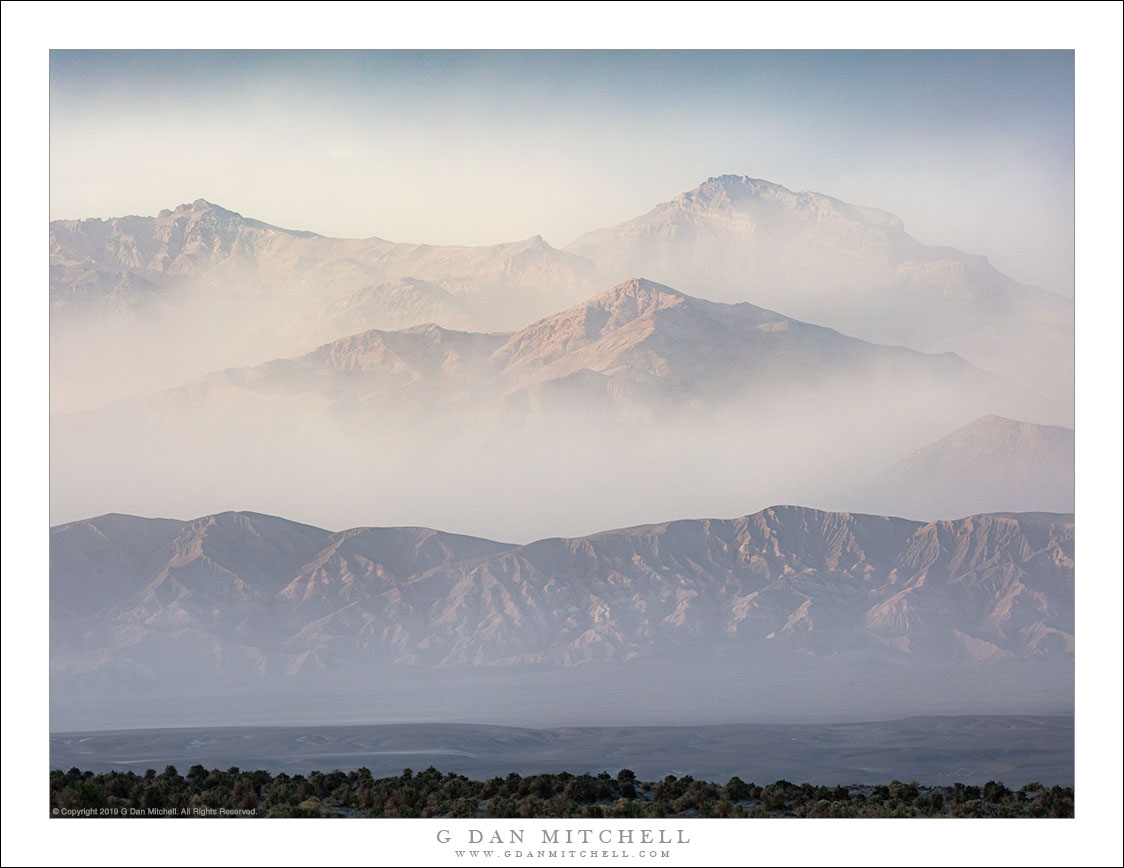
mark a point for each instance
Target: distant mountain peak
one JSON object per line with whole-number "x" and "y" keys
{"x": 199, "y": 206}
{"x": 642, "y": 290}
{"x": 729, "y": 187}
{"x": 738, "y": 182}
{"x": 739, "y": 191}
{"x": 628, "y": 301}
{"x": 1002, "y": 425}
{"x": 639, "y": 297}
{"x": 846, "y": 266}
{"x": 993, "y": 421}
{"x": 992, "y": 464}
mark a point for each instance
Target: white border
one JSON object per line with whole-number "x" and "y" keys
{"x": 1093, "y": 29}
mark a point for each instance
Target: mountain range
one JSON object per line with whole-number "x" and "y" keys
{"x": 127, "y": 264}
{"x": 243, "y": 596}
{"x": 640, "y": 345}
{"x": 849, "y": 267}
{"x": 642, "y": 394}
{"x": 201, "y": 287}
{"x": 780, "y": 347}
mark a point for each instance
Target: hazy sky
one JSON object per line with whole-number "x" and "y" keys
{"x": 970, "y": 148}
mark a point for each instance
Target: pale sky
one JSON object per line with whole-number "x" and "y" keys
{"x": 973, "y": 149}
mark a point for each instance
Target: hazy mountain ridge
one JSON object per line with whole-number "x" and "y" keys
{"x": 640, "y": 395}
{"x": 844, "y": 266}
{"x": 979, "y": 467}
{"x": 636, "y": 333}
{"x": 250, "y": 291}
{"x": 641, "y": 376}
{"x": 204, "y": 241}
{"x": 203, "y": 287}
{"x": 242, "y": 595}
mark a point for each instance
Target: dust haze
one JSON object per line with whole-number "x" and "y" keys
{"x": 737, "y": 347}
{"x": 204, "y": 361}
{"x": 504, "y": 467}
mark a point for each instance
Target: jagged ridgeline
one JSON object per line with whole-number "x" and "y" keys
{"x": 242, "y": 596}
{"x": 248, "y": 290}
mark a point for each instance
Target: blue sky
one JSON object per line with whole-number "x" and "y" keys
{"x": 971, "y": 148}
